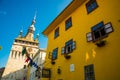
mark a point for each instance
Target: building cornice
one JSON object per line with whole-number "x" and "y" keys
{"x": 24, "y": 39}
{"x": 64, "y": 14}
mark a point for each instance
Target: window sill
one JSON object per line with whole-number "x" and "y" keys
{"x": 67, "y": 56}
{"x": 101, "y": 43}
{"x": 68, "y": 28}
{"x": 52, "y": 62}
{"x": 100, "y": 39}
{"x": 56, "y": 36}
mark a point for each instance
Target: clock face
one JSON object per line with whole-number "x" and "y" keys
{"x": 16, "y": 48}
{"x": 29, "y": 49}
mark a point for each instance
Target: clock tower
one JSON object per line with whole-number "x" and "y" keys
{"x": 16, "y": 61}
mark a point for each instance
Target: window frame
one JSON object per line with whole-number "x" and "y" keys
{"x": 108, "y": 28}
{"x": 55, "y": 53}
{"x": 68, "y": 23}
{"x": 69, "y": 44}
{"x": 89, "y": 5}
{"x": 48, "y": 75}
{"x": 88, "y": 70}
{"x": 56, "y": 32}
{"x": 98, "y": 29}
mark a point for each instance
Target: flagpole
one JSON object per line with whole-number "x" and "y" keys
{"x": 24, "y": 51}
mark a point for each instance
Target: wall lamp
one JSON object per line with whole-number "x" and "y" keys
{"x": 59, "y": 70}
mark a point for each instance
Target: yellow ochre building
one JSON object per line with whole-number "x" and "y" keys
{"x": 83, "y": 42}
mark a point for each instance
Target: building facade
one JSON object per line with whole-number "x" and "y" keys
{"x": 16, "y": 66}
{"x": 39, "y": 59}
{"x": 83, "y": 42}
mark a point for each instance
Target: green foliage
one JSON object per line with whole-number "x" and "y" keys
{"x": 0, "y": 47}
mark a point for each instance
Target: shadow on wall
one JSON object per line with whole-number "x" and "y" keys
{"x": 16, "y": 75}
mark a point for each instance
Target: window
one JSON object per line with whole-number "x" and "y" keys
{"x": 11, "y": 76}
{"x": 56, "y": 34}
{"x": 12, "y": 52}
{"x": 89, "y": 72}
{"x": 46, "y": 73}
{"x": 15, "y": 54}
{"x": 36, "y": 60}
{"x": 19, "y": 54}
{"x": 54, "y": 53}
{"x": 91, "y": 5}
{"x": 68, "y": 23}
{"x": 99, "y": 31}
{"x": 37, "y": 72}
{"x": 16, "y": 41}
{"x": 24, "y": 67}
{"x": 69, "y": 47}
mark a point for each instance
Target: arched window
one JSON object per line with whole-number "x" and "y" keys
{"x": 19, "y": 54}
{"x": 32, "y": 55}
{"x": 12, "y": 53}
{"x": 15, "y": 54}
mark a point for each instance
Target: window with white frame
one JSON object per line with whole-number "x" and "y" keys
{"x": 69, "y": 47}
{"x": 99, "y": 31}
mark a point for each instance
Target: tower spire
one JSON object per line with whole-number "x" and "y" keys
{"x": 37, "y": 37}
{"x": 30, "y": 33}
{"x": 35, "y": 15}
{"x": 32, "y": 27}
{"x": 20, "y": 34}
{"x": 34, "y": 19}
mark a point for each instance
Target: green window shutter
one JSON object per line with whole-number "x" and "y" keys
{"x": 24, "y": 50}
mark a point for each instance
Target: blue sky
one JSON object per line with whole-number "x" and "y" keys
{"x": 18, "y": 14}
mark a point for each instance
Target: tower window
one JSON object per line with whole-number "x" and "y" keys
{"x": 89, "y": 72}
{"x": 91, "y": 5}
{"x": 15, "y": 54}
{"x": 19, "y": 54}
{"x": 24, "y": 67}
{"x": 56, "y": 34}
{"x": 16, "y": 41}
{"x": 68, "y": 23}
{"x": 12, "y": 53}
